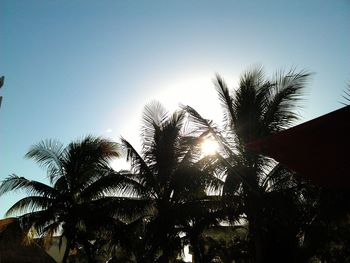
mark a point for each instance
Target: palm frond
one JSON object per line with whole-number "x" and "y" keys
{"x": 96, "y": 148}
{"x": 86, "y": 156}
{"x": 190, "y": 148}
{"x": 124, "y": 208}
{"x": 234, "y": 179}
{"x": 14, "y": 182}
{"x": 205, "y": 211}
{"x": 346, "y": 95}
{"x": 112, "y": 184}
{"x": 165, "y": 151}
{"x": 202, "y": 125}
{"x": 154, "y": 116}
{"x": 278, "y": 178}
{"x": 48, "y": 154}
{"x": 247, "y": 107}
{"x": 284, "y": 99}
{"x": 30, "y": 204}
{"x": 49, "y": 232}
{"x": 252, "y": 78}
{"x": 61, "y": 184}
{"x": 205, "y": 126}
{"x": 140, "y": 168}
{"x": 154, "y": 113}
{"x": 213, "y": 184}
{"x": 226, "y": 100}
{"x": 212, "y": 164}
{"x": 203, "y": 173}
{"x": 38, "y": 220}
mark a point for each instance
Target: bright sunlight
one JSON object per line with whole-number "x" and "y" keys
{"x": 209, "y": 146}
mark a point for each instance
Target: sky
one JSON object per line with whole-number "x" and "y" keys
{"x": 78, "y": 67}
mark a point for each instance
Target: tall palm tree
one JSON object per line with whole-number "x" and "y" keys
{"x": 172, "y": 179}
{"x": 257, "y": 108}
{"x": 80, "y": 197}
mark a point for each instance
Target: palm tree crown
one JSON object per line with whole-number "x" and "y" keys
{"x": 80, "y": 182}
{"x": 257, "y": 108}
{"x": 168, "y": 170}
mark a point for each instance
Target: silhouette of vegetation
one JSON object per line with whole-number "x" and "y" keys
{"x": 2, "y": 80}
{"x": 230, "y": 206}
{"x": 81, "y": 184}
{"x": 257, "y": 108}
{"x": 175, "y": 180}
{"x": 346, "y": 95}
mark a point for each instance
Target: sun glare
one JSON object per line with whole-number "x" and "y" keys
{"x": 209, "y": 146}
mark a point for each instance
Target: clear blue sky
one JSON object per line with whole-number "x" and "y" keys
{"x": 88, "y": 67}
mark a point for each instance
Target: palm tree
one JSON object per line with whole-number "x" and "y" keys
{"x": 346, "y": 95}
{"x": 80, "y": 197}
{"x": 172, "y": 179}
{"x": 257, "y": 108}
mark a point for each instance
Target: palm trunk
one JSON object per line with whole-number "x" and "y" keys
{"x": 88, "y": 252}
{"x": 259, "y": 247}
{"x": 253, "y": 206}
{"x": 255, "y": 229}
{"x": 167, "y": 253}
{"x": 197, "y": 254}
{"x": 66, "y": 251}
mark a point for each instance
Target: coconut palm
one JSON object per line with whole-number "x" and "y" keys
{"x": 80, "y": 197}
{"x": 346, "y": 95}
{"x": 257, "y": 108}
{"x": 172, "y": 178}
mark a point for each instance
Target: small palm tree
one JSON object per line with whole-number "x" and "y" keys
{"x": 172, "y": 179}
{"x": 346, "y": 95}
{"x": 257, "y": 108}
{"x": 80, "y": 197}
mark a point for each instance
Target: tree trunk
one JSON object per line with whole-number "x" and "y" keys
{"x": 197, "y": 254}
{"x": 167, "y": 252}
{"x": 254, "y": 216}
{"x": 259, "y": 247}
{"x": 88, "y": 253}
{"x": 255, "y": 229}
{"x": 66, "y": 251}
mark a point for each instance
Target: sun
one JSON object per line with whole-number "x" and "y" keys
{"x": 209, "y": 146}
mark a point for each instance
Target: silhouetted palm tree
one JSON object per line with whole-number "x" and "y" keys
{"x": 80, "y": 198}
{"x": 171, "y": 176}
{"x": 257, "y": 108}
{"x": 346, "y": 95}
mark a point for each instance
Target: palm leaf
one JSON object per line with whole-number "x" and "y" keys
{"x": 165, "y": 151}
{"x": 141, "y": 169}
{"x": 39, "y": 220}
{"x": 114, "y": 184}
{"x": 190, "y": 149}
{"x": 247, "y": 107}
{"x": 48, "y": 154}
{"x": 124, "y": 208}
{"x": 283, "y": 98}
{"x": 205, "y": 126}
{"x": 154, "y": 115}
{"x": 88, "y": 159}
{"x": 202, "y": 125}
{"x": 49, "y": 232}
{"x": 30, "y": 203}
{"x": 346, "y": 96}
{"x": 14, "y": 182}
{"x": 226, "y": 100}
